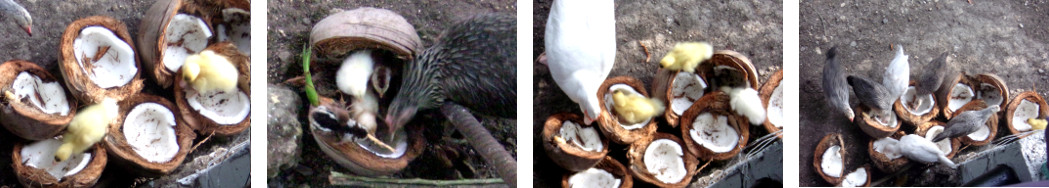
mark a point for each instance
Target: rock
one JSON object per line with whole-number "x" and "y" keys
{"x": 284, "y": 131}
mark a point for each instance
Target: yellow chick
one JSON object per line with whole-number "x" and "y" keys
{"x": 87, "y": 128}
{"x": 208, "y": 72}
{"x": 686, "y": 56}
{"x": 635, "y": 108}
{"x": 1037, "y": 124}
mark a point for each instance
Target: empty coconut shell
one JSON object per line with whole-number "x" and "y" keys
{"x": 767, "y": 91}
{"x": 123, "y": 153}
{"x": 78, "y": 78}
{"x": 34, "y": 177}
{"x": 21, "y": 117}
{"x": 827, "y": 142}
{"x": 567, "y": 155}
{"x": 717, "y": 104}
{"x": 636, "y": 155}
{"x": 611, "y": 166}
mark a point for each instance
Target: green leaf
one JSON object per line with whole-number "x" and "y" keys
{"x": 311, "y": 92}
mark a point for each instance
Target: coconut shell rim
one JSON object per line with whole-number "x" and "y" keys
{"x": 610, "y": 165}
{"x": 706, "y": 104}
{"x": 204, "y": 125}
{"x": 566, "y": 155}
{"x": 871, "y": 127}
{"x": 87, "y": 177}
{"x": 324, "y": 36}
{"x": 27, "y": 121}
{"x": 76, "y": 82}
{"x": 609, "y": 124}
{"x": 955, "y": 142}
{"x": 354, "y": 154}
{"x": 825, "y": 143}
{"x": 637, "y": 164}
{"x": 117, "y": 146}
{"x": 992, "y": 122}
{"x": 1043, "y": 108}
{"x": 765, "y": 93}
{"x": 883, "y": 162}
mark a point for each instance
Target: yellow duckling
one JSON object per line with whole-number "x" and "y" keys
{"x": 208, "y": 71}
{"x": 1037, "y": 124}
{"x": 87, "y": 128}
{"x": 634, "y": 108}
{"x": 686, "y": 56}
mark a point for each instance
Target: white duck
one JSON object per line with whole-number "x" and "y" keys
{"x": 581, "y": 49}
{"x": 897, "y": 74}
{"x": 920, "y": 149}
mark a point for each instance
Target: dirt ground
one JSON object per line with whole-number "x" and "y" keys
{"x": 1007, "y": 38}
{"x": 753, "y": 28}
{"x": 289, "y": 25}
{"x": 50, "y": 19}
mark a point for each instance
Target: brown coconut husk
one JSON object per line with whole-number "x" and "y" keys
{"x": 609, "y": 122}
{"x": 671, "y": 117}
{"x": 359, "y": 160}
{"x": 33, "y": 177}
{"x": 636, "y": 155}
{"x": 732, "y": 59}
{"x": 914, "y": 119}
{"x": 1043, "y": 109}
{"x": 766, "y": 94}
{"x": 118, "y": 147}
{"x": 871, "y": 126}
{"x": 883, "y": 162}
{"x": 924, "y": 128}
{"x": 23, "y": 119}
{"x": 824, "y": 144}
{"x": 992, "y": 123}
{"x": 338, "y": 34}
{"x": 717, "y": 103}
{"x": 998, "y": 83}
{"x": 942, "y": 97}
{"x": 76, "y": 81}
{"x": 569, "y": 156}
{"x": 202, "y": 124}
{"x": 613, "y": 167}
{"x": 151, "y": 34}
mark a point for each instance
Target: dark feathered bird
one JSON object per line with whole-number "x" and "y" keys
{"x": 473, "y": 64}
{"x": 834, "y": 86}
{"x": 17, "y": 13}
{"x": 872, "y": 94}
{"x": 935, "y": 73}
{"x": 966, "y": 123}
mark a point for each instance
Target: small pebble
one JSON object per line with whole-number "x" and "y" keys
{"x": 852, "y": 44}
{"x": 884, "y": 20}
{"x": 1041, "y": 70}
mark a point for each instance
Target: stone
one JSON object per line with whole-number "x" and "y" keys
{"x": 284, "y": 130}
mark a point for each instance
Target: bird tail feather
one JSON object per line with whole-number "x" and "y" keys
{"x": 948, "y": 162}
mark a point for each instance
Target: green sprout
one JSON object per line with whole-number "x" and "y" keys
{"x": 311, "y": 92}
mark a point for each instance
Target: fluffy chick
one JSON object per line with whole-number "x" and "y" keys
{"x": 353, "y": 74}
{"x": 686, "y": 56}
{"x": 745, "y": 101}
{"x": 87, "y": 128}
{"x": 834, "y": 85}
{"x": 966, "y": 123}
{"x": 635, "y": 108}
{"x": 916, "y": 148}
{"x": 1037, "y": 124}
{"x": 209, "y": 72}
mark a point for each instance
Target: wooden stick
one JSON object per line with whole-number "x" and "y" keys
{"x": 482, "y": 141}
{"x": 647, "y": 55}
{"x": 340, "y": 179}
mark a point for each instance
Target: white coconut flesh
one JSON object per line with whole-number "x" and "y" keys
{"x": 887, "y": 147}
{"x": 714, "y": 133}
{"x": 960, "y": 95}
{"x": 185, "y": 35}
{"x": 990, "y": 94}
{"x": 980, "y": 134}
{"x": 400, "y": 146}
{"x": 222, "y": 107}
{"x": 586, "y": 138}
{"x": 150, "y": 130}
{"x": 663, "y": 157}
{"x": 41, "y": 155}
{"x": 595, "y": 178}
{"x": 888, "y": 121}
{"x": 115, "y": 66}
{"x": 832, "y": 164}
{"x": 609, "y": 104}
{"x": 239, "y": 32}
{"x": 855, "y": 178}
{"x": 687, "y": 88}
{"x": 1024, "y": 111}
{"x": 909, "y": 97}
{"x": 775, "y": 109}
{"x": 945, "y": 144}
{"x": 49, "y": 97}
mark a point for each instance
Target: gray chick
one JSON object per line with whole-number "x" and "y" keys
{"x": 872, "y": 94}
{"x": 834, "y": 86}
{"x": 935, "y": 72}
{"x": 966, "y": 123}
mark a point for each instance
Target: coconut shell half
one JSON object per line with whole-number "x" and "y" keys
{"x": 358, "y": 160}
{"x": 638, "y": 169}
{"x": 731, "y": 59}
{"x": 883, "y": 162}
{"x": 1031, "y": 96}
{"x": 123, "y": 153}
{"x": 153, "y": 29}
{"x": 203, "y": 124}
{"x": 24, "y": 119}
{"x": 867, "y": 182}
{"x": 923, "y": 129}
{"x": 34, "y": 177}
{"x": 77, "y": 81}
{"x": 609, "y": 123}
{"x": 992, "y": 123}
{"x": 871, "y": 126}
{"x": 338, "y": 34}
{"x": 825, "y": 143}
{"x": 997, "y": 87}
{"x": 569, "y": 156}
{"x": 945, "y": 94}
{"x": 912, "y": 118}
{"x": 611, "y": 166}
{"x": 717, "y": 104}
{"x": 766, "y": 92}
